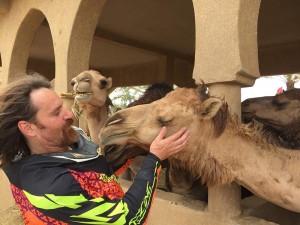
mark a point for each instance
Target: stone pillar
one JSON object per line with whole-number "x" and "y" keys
{"x": 226, "y": 58}
{"x": 5, "y": 192}
{"x": 226, "y": 199}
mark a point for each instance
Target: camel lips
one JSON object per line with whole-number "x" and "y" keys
{"x": 109, "y": 148}
{"x": 83, "y": 95}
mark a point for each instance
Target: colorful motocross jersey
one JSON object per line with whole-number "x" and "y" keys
{"x": 79, "y": 187}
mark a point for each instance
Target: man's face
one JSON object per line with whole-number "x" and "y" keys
{"x": 53, "y": 121}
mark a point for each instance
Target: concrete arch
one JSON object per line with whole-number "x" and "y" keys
{"x": 148, "y": 43}
{"x": 17, "y": 61}
{"x": 42, "y": 63}
{"x": 76, "y": 40}
{"x": 278, "y": 37}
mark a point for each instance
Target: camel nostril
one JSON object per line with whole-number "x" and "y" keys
{"x": 114, "y": 122}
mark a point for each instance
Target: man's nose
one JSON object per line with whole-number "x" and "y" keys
{"x": 68, "y": 114}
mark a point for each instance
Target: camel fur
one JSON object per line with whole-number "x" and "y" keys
{"x": 91, "y": 90}
{"x": 220, "y": 149}
{"x": 280, "y": 114}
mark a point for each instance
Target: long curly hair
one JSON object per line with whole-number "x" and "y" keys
{"x": 15, "y": 106}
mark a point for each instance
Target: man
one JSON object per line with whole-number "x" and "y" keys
{"x": 57, "y": 175}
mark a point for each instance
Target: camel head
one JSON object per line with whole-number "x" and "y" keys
{"x": 278, "y": 112}
{"x": 183, "y": 107}
{"x": 123, "y": 152}
{"x": 90, "y": 87}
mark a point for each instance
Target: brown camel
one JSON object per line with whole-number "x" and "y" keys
{"x": 91, "y": 100}
{"x": 280, "y": 113}
{"x": 220, "y": 149}
{"x": 152, "y": 93}
{"x": 171, "y": 179}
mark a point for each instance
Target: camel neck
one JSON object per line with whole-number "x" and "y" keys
{"x": 96, "y": 118}
{"x": 260, "y": 167}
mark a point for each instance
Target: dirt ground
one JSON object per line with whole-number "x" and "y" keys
{"x": 11, "y": 216}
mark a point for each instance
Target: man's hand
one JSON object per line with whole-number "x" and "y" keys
{"x": 164, "y": 147}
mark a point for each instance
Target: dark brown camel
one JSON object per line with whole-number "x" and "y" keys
{"x": 280, "y": 114}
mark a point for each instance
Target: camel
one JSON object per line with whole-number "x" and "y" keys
{"x": 220, "y": 149}
{"x": 152, "y": 93}
{"x": 281, "y": 113}
{"x": 171, "y": 179}
{"x": 91, "y": 90}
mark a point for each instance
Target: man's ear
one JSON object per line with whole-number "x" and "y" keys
{"x": 26, "y": 128}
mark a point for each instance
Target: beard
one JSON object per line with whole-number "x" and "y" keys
{"x": 63, "y": 137}
{"x": 69, "y": 136}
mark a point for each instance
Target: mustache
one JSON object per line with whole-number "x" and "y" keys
{"x": 69, "y": 122}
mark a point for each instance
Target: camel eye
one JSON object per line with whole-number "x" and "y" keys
{"x": 84, "y": 80}
{"x": 280, "y": 103}
{"x": 102, "y": 84}
{"x": 72, "y": 82}
{"x": 164, "y": 122}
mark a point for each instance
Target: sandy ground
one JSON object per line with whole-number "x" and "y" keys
{"x": 11, "y": 216}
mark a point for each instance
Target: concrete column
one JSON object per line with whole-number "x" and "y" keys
{"x": 226, "y": 199}
{"x": 5, "y": 192}
{"x": 226, "y": 59}
{"x": 226, "y": 41}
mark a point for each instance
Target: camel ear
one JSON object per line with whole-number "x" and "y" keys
{"x": 209, "y": 108}
{"x": 109, "y": 83}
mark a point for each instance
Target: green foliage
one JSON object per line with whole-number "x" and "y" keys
{"x": 122, "y": 96}
{"x": 289, "y": 79}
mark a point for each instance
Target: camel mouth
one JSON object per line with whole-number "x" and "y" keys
{"x": 248, "y": 116}
{"x": 109, "y": 140}
{"x": 116, "y": 155}
{"x": 109, "y": 149}
{"x": 270, "y": 123}
{"x": 83, "y": 96}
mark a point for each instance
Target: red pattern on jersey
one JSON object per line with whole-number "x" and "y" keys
{"x": 30, "y": 214}
{"x": 99, "y": 185}
{"x": 124, "y": 167}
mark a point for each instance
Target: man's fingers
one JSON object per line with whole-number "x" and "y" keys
{"x": 165, "y": 147}
{"x": 180, "y": 143}
{"x": 162, "y": 133}
{"x": 183, "y": 137}
{"x": 177, "y": 135}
